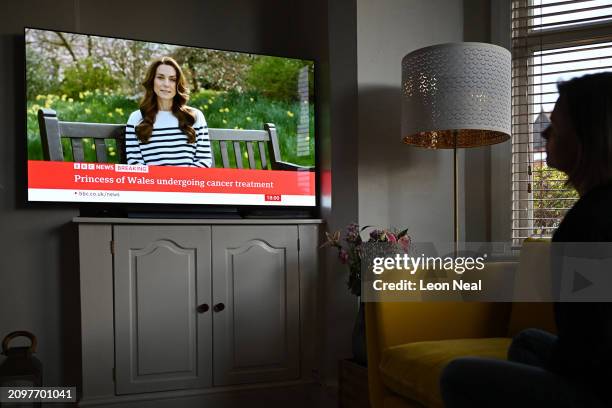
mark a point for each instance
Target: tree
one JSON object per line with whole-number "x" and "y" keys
{"x": 277, "y": 77}
{"x": 552, "y": 196}
{"x": 212, "y": 69}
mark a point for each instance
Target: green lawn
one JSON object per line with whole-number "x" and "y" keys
{"x": 222, "y": 110}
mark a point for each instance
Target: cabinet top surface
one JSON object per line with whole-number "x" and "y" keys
{"x": 206, "y": 221}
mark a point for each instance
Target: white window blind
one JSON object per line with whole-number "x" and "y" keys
{"x": 552, "y": 41}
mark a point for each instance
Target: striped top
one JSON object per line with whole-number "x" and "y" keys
{"x": 168, "y": 144}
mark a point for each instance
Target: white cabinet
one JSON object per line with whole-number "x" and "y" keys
{"x": 182, "y": 308}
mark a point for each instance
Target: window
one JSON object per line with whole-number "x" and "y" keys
{"x": 552, "y": 41}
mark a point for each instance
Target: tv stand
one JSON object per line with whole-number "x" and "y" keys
{"x": 256, "y": 280}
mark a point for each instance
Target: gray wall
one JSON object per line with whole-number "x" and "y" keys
{"x": 405, "y": 186}
{"x": 401, "y": 185}
{"x": 339, "y": 182}
{"x": 38, "y": 275}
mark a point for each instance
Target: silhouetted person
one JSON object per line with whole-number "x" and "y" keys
{"x": 573, "y": 368}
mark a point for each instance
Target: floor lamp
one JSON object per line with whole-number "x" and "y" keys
{"x": 455, "y": 96}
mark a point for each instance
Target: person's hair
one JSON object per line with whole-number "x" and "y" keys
{"x": 589, "y": 103}
{"x": 149, "y": 106}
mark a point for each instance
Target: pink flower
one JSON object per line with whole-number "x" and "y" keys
{"x": 405, "y": 242}
{"x": 391, "y": 237}
{"x": 343, "y": 255}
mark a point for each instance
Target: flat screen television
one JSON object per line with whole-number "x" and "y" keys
{"x": 113, "y": 120}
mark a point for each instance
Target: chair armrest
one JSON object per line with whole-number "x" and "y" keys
{"x": 281, "y": 165}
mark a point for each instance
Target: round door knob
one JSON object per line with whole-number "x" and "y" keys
{"x": 219, "y": 307}
{"x": 203, "y": 308}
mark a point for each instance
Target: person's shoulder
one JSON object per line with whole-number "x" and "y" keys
{"x": 601, "y": 193}
{"x": 596, "y": 201}
{"x": 135, "y": 117}
{"x": 590, "y": 219}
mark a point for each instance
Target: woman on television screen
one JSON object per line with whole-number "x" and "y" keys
{"x": 165, "y": 131}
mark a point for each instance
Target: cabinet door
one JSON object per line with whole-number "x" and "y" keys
{"x": 255, "y": 278}
{"x": 162, "y": 274}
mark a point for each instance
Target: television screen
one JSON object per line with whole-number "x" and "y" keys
{"x": 114, "y": 120}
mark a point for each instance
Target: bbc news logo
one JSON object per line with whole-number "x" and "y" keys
{"x": 120, "y": 168}
{"x": 84, "y": 166}
{"x": 93, "y": 166}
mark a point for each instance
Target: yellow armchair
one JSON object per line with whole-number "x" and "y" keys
{"x": 410, "y": 343}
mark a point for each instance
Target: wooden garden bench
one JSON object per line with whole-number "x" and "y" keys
{"x": 52, "y": 130}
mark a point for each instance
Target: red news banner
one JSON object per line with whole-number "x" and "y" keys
{"x": 123, "y": 177}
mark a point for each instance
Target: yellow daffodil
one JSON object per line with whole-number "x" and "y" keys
{"x": 70, "y": 100}
{"x": 110, "y": 114}
{"x": 119, "y": 111}
{"x": 64, "y": 96}
{"x": 224, "y": 121}
{"x": 111, "y": 153}
{"x": 210, "y": 101}
{"x": 248, "y": 118}
{"x": 290, "y": 114}
{"x": 81, "y": 95}
{"x": 39, "y": 97}
{"x": 205, "y": 107}
{"x": 252, "y": 100}
{"x": 87, "y": 110}
{"x": 221, "y": 110}
{"x": 226, "y": 110}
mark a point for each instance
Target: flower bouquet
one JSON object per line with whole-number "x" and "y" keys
{"x": 350, "y": 248}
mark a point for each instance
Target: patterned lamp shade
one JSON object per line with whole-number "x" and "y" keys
{"x": 456, "y": 95}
